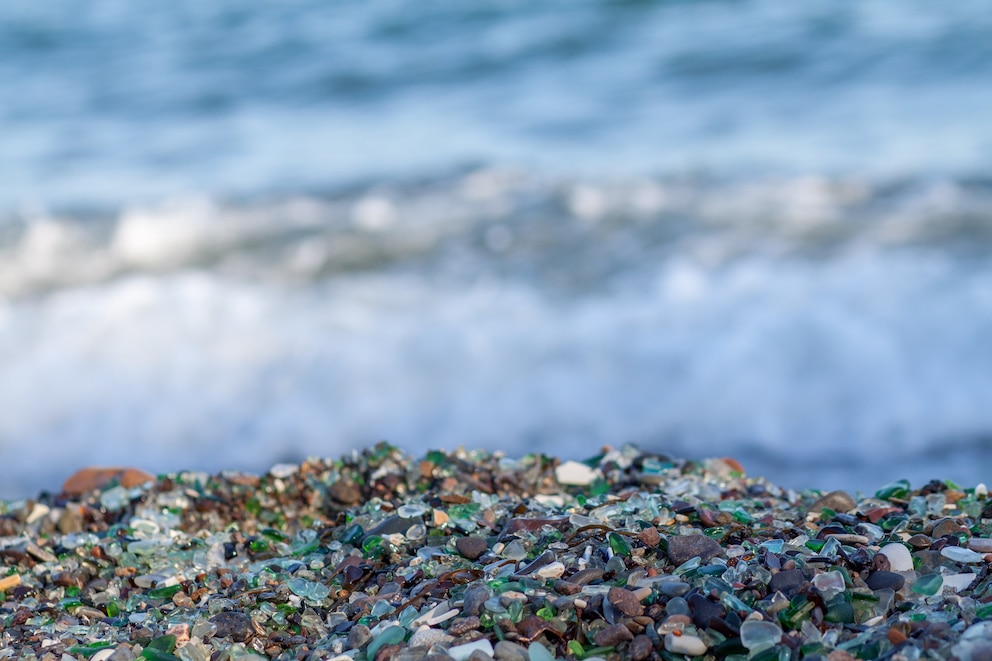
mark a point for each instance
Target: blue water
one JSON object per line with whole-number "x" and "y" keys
{"x": 233, "y": 235}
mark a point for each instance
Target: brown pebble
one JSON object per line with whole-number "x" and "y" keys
{"x": 895, "y": 636}
{"x": 640, "y": 648}
{"x": 682, "y": 548}
{"x": 346, "y": 492}
{"x": 838, "y": 501}
{"x": 387, "y": 652}
{"x": 841, "y": 655}
{"x": 586, "y": 576}
{"x": 625, "y": 601}
{"x": 567, "y": 587}
{"x": 613, "y": 635}
{"x": 464, "y": 625}
{"x": 919, "y": 541}
{"x": 471, "y": 547}
{"x": 649, "y": 536}
{"x": 92, "y": 478}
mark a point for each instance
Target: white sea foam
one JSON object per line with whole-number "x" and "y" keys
{"x": 804, "y": 344}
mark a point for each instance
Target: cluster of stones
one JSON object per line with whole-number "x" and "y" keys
{"x": 474, "y": 556}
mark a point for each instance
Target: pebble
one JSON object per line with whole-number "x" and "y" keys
{"x": 553, "y": 570}
{"x": 980, "y": 544}
{"x": 613, "y": 635}
{"x": 358, "y": 637}
{"x": 682, "y": 548}
{"x": 538, "y": 652}
{"x": 345, "y": 492}
{"x": 757, "y": 635}
{"x": 958, "y": 554}
{"x": 474, "y": 598}
{"x": 575, "y": 473}
{"x": 426, "y": 636}
{"x": 92, "y": 478}
{"x": 881, "y": 580}
{"x": 704, "y": 610}
{"x": 640, "y": 647}
{"x": 625, "y": 601}
{"x": 838, "y": 501}
{"x": 899, "y": 557}
{"x": 463, "y": 652}
{"x": 233, "y": 624}
{"x": 507, "y": 650}
{"x": 686, "y": 644}
{"x": 958, "y": 582}
{"x": 463, "y": 625}
{"x": 787, "y": 581}
{"x": 471, "y": 547}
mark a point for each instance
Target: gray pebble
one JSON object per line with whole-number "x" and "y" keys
{"x": 509, "y": 651}
{"x": 683, "y": 548}
{"x": 233, "y": 624}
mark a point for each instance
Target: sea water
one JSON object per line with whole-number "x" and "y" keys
{"x": 233, "y": 235}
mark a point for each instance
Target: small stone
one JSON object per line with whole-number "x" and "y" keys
{"x": 122, "y": 652}
{"x": 538, "y": 652}
{"x": 506, "y": 650}
{"x": 426, "y": 637}
{"x": 474, "y": 598}
{"x": 233, "y": 624}
{"x": 463, "y": 652}
{"x": 358, "y": 637}
{"x": 550, "y": 571}
{"x": 704, "y": 610}
{"x": 471, "y": 547}
{"x": 567, "y": 587}
{"x": 480, "y": 655}
{"x": 346, "y": 492}
{"x": 640, "y": 648}
{"x": 575, "y": 473}
{"x": 881, "y": 580}
{"x": 899, "y": 557}
{"x": 586, "y": 576}
{"x": 682, "y": 548}
{"x": 980, "y": 544}
{"x": 649, "y": 537}
{"x": 958, "y": 582}
{"x": 91, "y": 479}
{"x": 625, "y": 601}
{"x": 463, "y": 625}
{"x": 70, "y": 521}
{"x": 946, "y": 526}
{"x": 928, "y": 585}
{"x": 838, "y": 501}
{"x": 685, "y": 644}
{"x": 757, "y": 635}
{"x": 613, "y": 635}
{"x": 787, "y": 581}
{"x": 958, "y": 554}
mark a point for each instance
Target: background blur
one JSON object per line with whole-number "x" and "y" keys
{"x": 236, "y": 234}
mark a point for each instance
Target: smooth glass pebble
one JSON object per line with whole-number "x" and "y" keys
{"x": 958, "y": 554}
{"x": 928, "y": 585}
{"x": 390, "y": 636}
{"x": 958, "y": 582}
{"x": 677, "y": 606}
{"x": 757, "y": 635}
{"x": 829, "y": 582}
{"x": 538, "y": 652}
{"x": 462, "y": 652}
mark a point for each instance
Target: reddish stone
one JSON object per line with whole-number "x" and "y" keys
{"x": 92, "y": 478}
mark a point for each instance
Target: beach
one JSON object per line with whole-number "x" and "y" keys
{"x": 473, "y": 555}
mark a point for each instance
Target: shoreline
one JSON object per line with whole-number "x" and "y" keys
{"x": 471, "y": 555}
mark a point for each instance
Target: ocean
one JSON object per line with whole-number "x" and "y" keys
{"x": 234, "y": 235}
